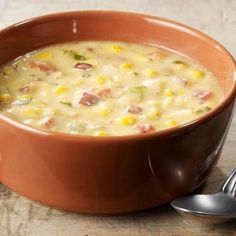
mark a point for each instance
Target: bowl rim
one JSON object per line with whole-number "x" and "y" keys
{"x": 130, "y": 137}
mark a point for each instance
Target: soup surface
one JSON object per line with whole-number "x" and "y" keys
{"x": 106, "y": 88}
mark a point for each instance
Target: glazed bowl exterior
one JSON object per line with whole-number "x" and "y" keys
{"x": 114, "y": 174}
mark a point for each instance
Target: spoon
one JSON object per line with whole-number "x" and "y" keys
{"x": 214, "y": 208}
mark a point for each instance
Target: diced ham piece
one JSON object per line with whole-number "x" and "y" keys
{"x": 83, "y": 66}
{"x": 50, "y": 123}
{"x": 135, "y": 109}
{"x": 43, "y": 66}
{"x": 152, "y": 55}
{"x": 145, "y": 128}
{"x": 15, "y": 66}
{"x": 157, "y": 55}
{"x": 183, "y": 81}
{"x": 25, "y": 89}
{"x": 203, "y": 95}
{"x": 104, "y": 92}
{"x": 36, "y": 78}
{"x": 90, "y": 49}
{"x": 88, "y": 99}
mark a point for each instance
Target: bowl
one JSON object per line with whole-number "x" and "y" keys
{"x": 116, "y": 174}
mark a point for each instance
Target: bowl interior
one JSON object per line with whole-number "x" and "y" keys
{"x": 119, "y": 26}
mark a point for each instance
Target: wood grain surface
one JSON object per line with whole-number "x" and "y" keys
{"x": 22, "y": 217}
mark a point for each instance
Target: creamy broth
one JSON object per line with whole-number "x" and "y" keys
{"x": 106, "y": 88}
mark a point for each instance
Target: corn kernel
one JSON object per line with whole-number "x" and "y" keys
{"x": 77, "y": 82}
{"x": 155, "y": 103}
{"x": 128, "y": 120}
{"x": 101, "y": 133}
{"x": 31, "y": 112}
{"x": 151, "y": 73}
{"x": 181, "y": 66}
{"x": 169, "y": 93}
{"x": 141, "y": 57}
{"x": 46, "y": 86}
{"x": 154, "y": 114}
{"x": 126, "y": 65}
{"x": 180, "y": 101}
{"x": 166, "y": 116}
{"x": 171, "y": 123}
{"x": 181, "y": 92}
{"x": 116, "y": 48}
{"x": 25, "y": 96}
{"x": 101, "y": 79}
{"x": 42, "y": 104}
{"x": 105, "y": 112}
{"x": 59, "y": 90}
{"x": 5, "y": 98}
{"x": 44, "y": 55}
{"x": 167, "y": 102}
{"x": 195, "y": 73}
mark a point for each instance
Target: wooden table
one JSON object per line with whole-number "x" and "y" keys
{"x": 22, "y": 217}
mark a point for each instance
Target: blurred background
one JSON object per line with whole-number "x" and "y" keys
{"x": 215, "y": 17}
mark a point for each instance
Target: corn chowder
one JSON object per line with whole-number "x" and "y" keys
{"x": 106, "y": 88}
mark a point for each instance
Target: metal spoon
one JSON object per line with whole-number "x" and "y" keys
{"x": 214, "y": 208}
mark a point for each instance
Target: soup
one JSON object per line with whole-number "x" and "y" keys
{"x": 106, "y": 88}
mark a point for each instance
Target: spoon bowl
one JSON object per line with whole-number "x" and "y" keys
{"x": 213, "y": 208}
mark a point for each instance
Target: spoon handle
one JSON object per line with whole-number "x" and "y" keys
{"x": 229, "y": 186}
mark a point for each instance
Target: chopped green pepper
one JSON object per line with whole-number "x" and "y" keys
{"x": 69, "y": 104}
{"x": 179, "y": 62}
{"x": 75, "y": 55}
{"x": 3, "y": 89}
{"x": 138, "y": 89}
{"x": 203, "y": 110}
{"x": 76, "y": 127}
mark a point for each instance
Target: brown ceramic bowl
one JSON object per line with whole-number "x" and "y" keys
{"x": 114, "y": 174}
